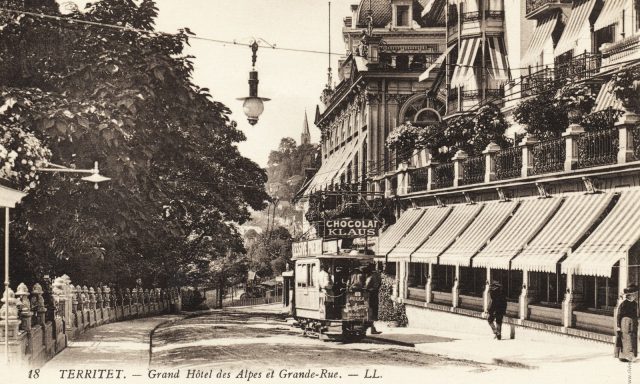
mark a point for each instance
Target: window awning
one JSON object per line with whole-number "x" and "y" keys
{"x": 334, "y": 166}
{"x": 575, "y": 217}
{"x": 578, "y": 19}
{"x": 611, "y": 240}
{"x": 436, "y": 64}
{"x": 464, "y": 66}
{"x": 611, "y": 13}
{"x": 530, "y": 216}
{"x": 499, "y": 60}
{"x": 607, "y": 99}
{"x": 483, "y": 228}
{"x": 457, "y": 221}
{"x": 352, "y": 149}
{"x": 428, "y": 223}
{"x": 327, "y": 171}
{"x": 541, "y": 34}
{"x": 389, "y": 238}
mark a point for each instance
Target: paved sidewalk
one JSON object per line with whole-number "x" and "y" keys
{"x": 115, "y": 344}
{"x": 537, "y": 356}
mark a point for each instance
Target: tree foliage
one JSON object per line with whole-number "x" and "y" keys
{"x": 287, "y": 165}
{"x": 127, "y": 100}
{"x": 270, "y": 252}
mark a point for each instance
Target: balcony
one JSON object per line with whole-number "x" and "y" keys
{"x": 534, "y": 82}
{"x": 497, "y": 15}
{"x": 468, "y": 17}
{"x": 599, "y": 152}
{"x": 580, "y": 67}
{"x": 536, "y": 8}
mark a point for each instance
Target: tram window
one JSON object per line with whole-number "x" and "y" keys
{"x": 302, "y": 273}
{"x": 312, "y": 275}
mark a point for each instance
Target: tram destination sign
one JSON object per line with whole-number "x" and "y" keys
{"x": 350, "y": 228}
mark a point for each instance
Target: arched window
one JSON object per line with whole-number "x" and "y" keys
{"x": 422, "y": 110}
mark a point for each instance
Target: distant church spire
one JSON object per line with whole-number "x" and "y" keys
{"x": 305, "y": 138}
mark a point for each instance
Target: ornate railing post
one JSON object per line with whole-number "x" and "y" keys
{"x": 37, "y": 303}
{"x": 99, "y": 308}
{"x": 9, "y": 310}
{"x": 490, "y": 162}
{"x": 527, "y": 154}
{"x": 74, "y": 310}
{"x": 134, "y": 302}
{"x": 458, "y": 169}
{"x": 626, "y": 125}
{"x": 24, "y": 307}
{"x": 571, "y": 142}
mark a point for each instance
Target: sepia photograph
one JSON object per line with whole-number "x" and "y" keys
{"x": 319, "y": 191}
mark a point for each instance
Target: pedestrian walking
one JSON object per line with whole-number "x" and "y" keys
{"x": 627, "y": 325}
{"x": 372, "y": 285}
{"x": 497, "y": 308}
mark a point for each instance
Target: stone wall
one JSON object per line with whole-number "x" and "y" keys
{"x": 42, "y": 322}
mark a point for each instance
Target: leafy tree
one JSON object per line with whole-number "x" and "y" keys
{"x": 287, "y": 165}
{"x": 542, "y": 115}
{"x": 127, "y": 100}
{"x": 271, "y": 252}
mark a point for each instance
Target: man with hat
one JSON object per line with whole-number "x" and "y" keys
{"x": 627, "y": 325}
{"x": 497, "y": 309}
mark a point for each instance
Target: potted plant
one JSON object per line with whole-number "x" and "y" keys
{"x": 577, "y": 99}
{"x": 626, "y": 87}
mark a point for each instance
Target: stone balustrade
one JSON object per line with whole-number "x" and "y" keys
{"x": 43, "y": 320}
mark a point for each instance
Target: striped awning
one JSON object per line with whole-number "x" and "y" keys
{"x": 611, "y": 240}
{"x": 428, "y": 223}
{"x": 483, "y": 228}
{"x": 499, "y": 60}
{"x": 334, "y": 166}
{"x": 530, "y": 216}
{"x": 436, "y": 64}
{"x": 457, "y": 221}
{"x": 349, "y": 154}
{"x": 389, "y": 238}
{"x": 575, "y": 217}
{"x": 611, "y": 13}
{"x": 541, "y": 35}
{"x": 578, "y": 20}
{"x": 607, "y": 99}
{"x": 464, "y": 66}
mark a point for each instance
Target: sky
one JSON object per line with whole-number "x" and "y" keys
{"x": 292, "y": 80}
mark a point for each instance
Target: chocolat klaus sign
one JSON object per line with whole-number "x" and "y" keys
{"x": 351, "y": 228}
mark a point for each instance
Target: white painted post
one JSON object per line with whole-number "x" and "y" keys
{"x": 458, "y": 169}
{"x": 429, "y": 285}
{"x": 490, "y": 161}
{"x": 527, "y": 154}
{"x": 455, "y": 291}
{"x": 571, "y": 142}
{"x": 625, "y": 135}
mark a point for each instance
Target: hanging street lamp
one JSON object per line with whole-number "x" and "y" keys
{"x": 95, "y": 176}
{"x": 253, "y": 105}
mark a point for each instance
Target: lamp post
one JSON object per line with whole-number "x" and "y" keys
{"x": 253, "y": 105}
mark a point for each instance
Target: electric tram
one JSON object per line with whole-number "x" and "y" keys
{"x": 329, "y": 299}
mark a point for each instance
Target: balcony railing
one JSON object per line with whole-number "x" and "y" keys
{"x": 536, "y": 81}
{"x": 470, "y": 16}
{"x": 548, "y": 156}
{"x": 583, "y": 66}
{"x": 509, "y": 163}
{"x": 419, "y": 179}
{"x": 489, "y": 14}
{"x": 537, "y": 5}
{"x": 608, "y": 145}
{"x": 473, "y": 170}
{"x": 489, "y": 93}
{"x": 443, "y": 176}
{"x": 598, "y": 148}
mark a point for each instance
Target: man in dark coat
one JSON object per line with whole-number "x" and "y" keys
{"x": 627, "y": 325}
{"x": 372, "y": 285}
{"x": 497, "y": 308}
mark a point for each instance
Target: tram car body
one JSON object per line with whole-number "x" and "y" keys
{"x": 339, "y": 311}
